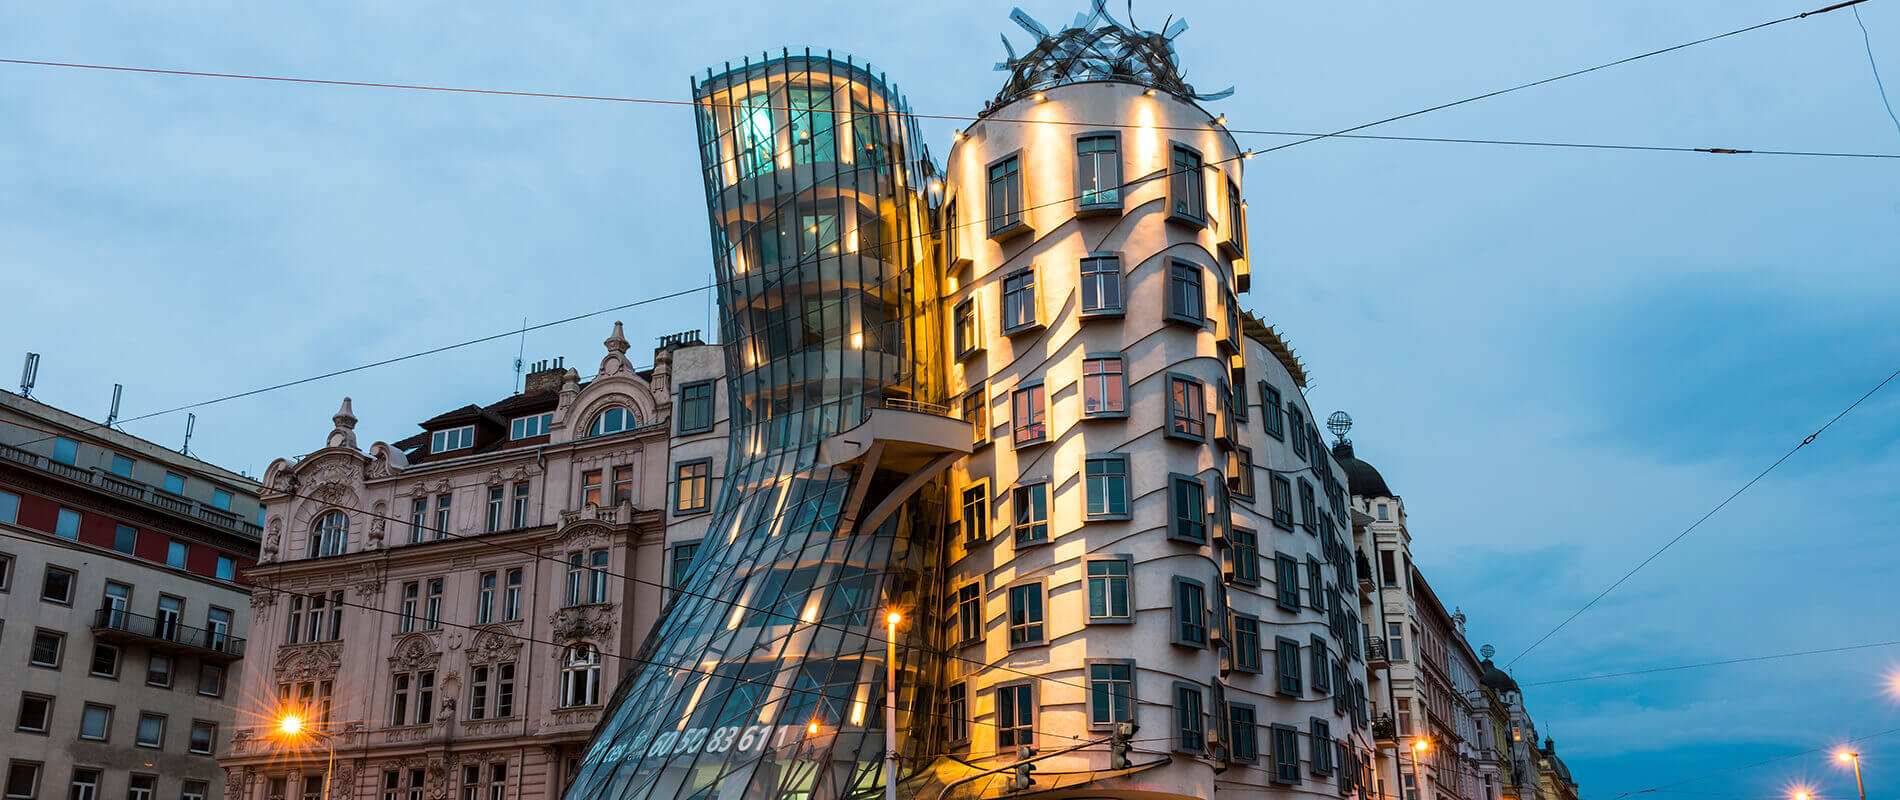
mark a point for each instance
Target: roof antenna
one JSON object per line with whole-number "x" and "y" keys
{"x": 113, "y": 415}
{"x": 29, "y": 373}
{"x": 519, "y": 350}
{"x": 191, "y": 423}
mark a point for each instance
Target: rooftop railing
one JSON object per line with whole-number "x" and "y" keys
{"x": 134, "y": 489}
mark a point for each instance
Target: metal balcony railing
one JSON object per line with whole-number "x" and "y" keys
{"x": 166, "y": 633}
{"x": 1375, "y": 650}
{"x": 902, "y": 404}
{"x": 136, "y": 490}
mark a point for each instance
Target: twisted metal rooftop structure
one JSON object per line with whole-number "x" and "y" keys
{"x": 1096, "y": 47}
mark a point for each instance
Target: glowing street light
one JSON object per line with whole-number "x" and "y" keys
{"x": 1803, "y": 796}
{"x": 1849, "y": 755}
{"x": 1422, "y": 745}
{"x": 890, "y": 690}
{"x": 292, "y": 726}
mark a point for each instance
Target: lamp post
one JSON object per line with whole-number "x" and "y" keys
{"x": 890, "y": 705}
{"x": 291, "y": 726}
{"x": 1849, "y": 755}
{"x": 1418, "y": 775}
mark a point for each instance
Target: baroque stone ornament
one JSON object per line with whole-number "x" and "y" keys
{"x": 414, "y": 653}
{"x": 494, "y": 645}
{"x": 576, "y": 623}
{"x": 299, "y": 663}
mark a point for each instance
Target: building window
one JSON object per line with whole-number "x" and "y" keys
{"x": 969, "y": 613}
{"x": 1031, "y": 505}
{"x": 1316, "y": 583}
{"x": 966, "y": 334}
{"x": 1029, "y": 415}
{"x": 1307, "y": 509}
{"x": 1246, "y": 555}
{"x": 497, "y": 497}
{"x": 175, "y": 552}
{"x": 1322, "y": 666}
{"x": 1187, "y": 192}
{"x": 204, "y": 737}
{"x": 66, "y": 526}
{"x": 174, "y": 483}
{"x": 580, "y": 676}
{"x": 1006, "y": 195}
{"x": 1185, "y": 298}
{"x": 976, "y": 513}
{"x": 95, "y": 722}
{"x": 412, "y": 698}
{"x": 1236, "y": 220}
{"x": 226, "y": 569}
{"x": 328, "y": 535}
{"x": 519, "y": 519}
{"x": 485, "y": 586}
{"x": 23, "y": 780}
{"x": 1322, "y": 741}
{"x": 1106, "y": 487}
{"x": 221, "y": 499}
{"x": 418, "y": 519}
{"x": 1271, "y": 412}
{"x": 1245, "y": 731}
{"x": 696, "y": 407}
{"x": 1101, "y": 285}
{"x": 1286, "y": 659}
{"x": 1104, "y": 384}
{"x": 1190, "y": 612}
{"x": 1404, "y": 720}
{"x": 1382, "y": 512}
{"x": 193, "y": 790}
{"x": 452, "y": 439}
{"x": 1395, "y": 641}
{"x": 125, "y": 539}
{"x": 1111, "y": 693}
{"x": 1187, "y": 408}
{"x": 1108, "y": 590}
{"x": 105, "y": 661}
{"x": 1098, "y": 171}
{"x": 976, "y": 411}
{"x": 47, "y": 648}
{"x": 586, "y": 578}
{"x": 1247, "y": 643}
{"x": 1286, "y": 582}
{"x": 65, "y": 451}
{"x": 56, "y": 586}
{"x": 1282, "y": 492}
{"x": 682, "y": 559}
{"x": 1190, "y": 722}
{"x": 692, "y": 483}
{"x": 613, "y": 420}
{"x": 504, "y": 690}
{"x": 9, "y": 508}
{"x": 36, "y": 710}
{"x": 1015, "y": 715}
{"x": 956, "y": 712}
{"x": 1286, "y": 754}
{"x": 85, "y": 785}
{"x": 1242, "y": 477}
{"x": 1297, "y": 422}
{"x": 590, "y": 488}
{"x": 1187, "y": 509}
{"x": 1019, "y": 300}
{"x": 1025, "y": 615}
{"x": 532, "y": 425}
{"x": 478, "y": 680}
{"x": 432, "y": 606}
{"x": 151, "y": 730}
{"x": 511, "y": 597}
{"x": 210, "y": 680}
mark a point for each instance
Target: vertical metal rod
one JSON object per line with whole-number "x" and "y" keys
{"x": 890, "y": 708}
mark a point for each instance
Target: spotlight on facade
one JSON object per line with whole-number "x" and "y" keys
{"x": 956, "y": 136}
{"x": 1220, "y": 120}
{"x": 1149, "y": 93}
{"x": 1040, "y": 97}
{"x": 812, "y": 728}
{"x": 1247, "y": 156}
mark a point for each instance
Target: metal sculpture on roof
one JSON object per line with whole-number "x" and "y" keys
{"x": 1096, "y": 47}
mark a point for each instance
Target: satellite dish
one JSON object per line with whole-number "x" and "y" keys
{"x": 1339, "y": 423}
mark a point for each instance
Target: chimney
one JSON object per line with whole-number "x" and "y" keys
{"x": 546, "y": 376}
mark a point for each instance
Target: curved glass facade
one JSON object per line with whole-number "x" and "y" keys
{"x": 764, "y": 677}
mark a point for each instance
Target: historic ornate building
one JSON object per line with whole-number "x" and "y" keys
{"x": 449, "y": 612}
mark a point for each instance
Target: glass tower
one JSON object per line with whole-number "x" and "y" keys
{"x": 765, "y": 675}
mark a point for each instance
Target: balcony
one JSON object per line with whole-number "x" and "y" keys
{"x": 1375, "y": 652}
{"x": 166, "y": 635}
{"x": 1383, "y": 730}
{"x": 134, "y": 490}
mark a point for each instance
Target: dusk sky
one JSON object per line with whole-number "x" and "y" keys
{"x": 1560, "y": 358}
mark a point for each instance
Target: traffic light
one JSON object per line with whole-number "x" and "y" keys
{"x": 1019, "y": 779}
{"x": 1118, "y": 745}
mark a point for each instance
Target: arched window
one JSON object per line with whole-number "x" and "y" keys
{"x": 613, "y": 420}
{"x": 580, "y": 676}
{"x": 328, "y": 535}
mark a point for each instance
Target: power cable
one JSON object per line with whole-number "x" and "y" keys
{"x": 1875, "y": 66}
{"x": 1753, "y": 764}
{"x": 1653, "y": 670}
{"x": 1705, "y": 517}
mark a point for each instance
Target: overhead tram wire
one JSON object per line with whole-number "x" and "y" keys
{"x": 1705, "y": 517}
{"x": 1744, "y": 660}
{"x": 1664, "y": 788}
{"x": 1346, "y": 133}
{"x": 500, "y": 631}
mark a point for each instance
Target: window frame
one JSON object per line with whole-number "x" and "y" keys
{"x": 976, "y": 402}
{"x": 72, "y": 579}
{"x": 1245, "y": 557}
{"x": 1040, "y": 591}
{"x": 59, "y": 649}
{"x": 1039, "y": 391}
{"x": 38, "y": 769}
{"x": 1179, "y": 741}
{"x": 1011, "y": 300}
{"x": 679, "y": 483}
{"x": 1108, "y": 581}
{"x": 685, "y": 403}
{"x": 1280, "y": 494}
{"x": 1286, "y": 592}
{"x": 982, "y": 487}
{"x": 1198, "y": 534}
{"x": 449, "y": 440}
{"x": 1184, "y": 423}
{"x": 1286, "y": 766}
{"x": 138, "y": 733}
{"x": 106, "y": 734}
{"x": 1195, "y": 317}
{"x": 1272, "y": 413}
{"x": 1107, "y": 480}
{"x": 1024, "y": 493}
{"x": 970, "y": 627}
{"x": 1091, "y": 380}
{"x": 1183, "y": 624}
{"x": 1257, "y": 664}
{"x": 1010, "y": 727}
{"x": 1084, "y": 206}
{"x": 1288, "y": 669}
{"x": 966, "y": 328}
{"x": 1012, "y": 220}
{"x": 1133, "y": 697}
{"x": 1187, "y": 183}
{"x": 1083, "y": 277}
{"x": 1252, "y": 736}
{"x": 531, "y": 425}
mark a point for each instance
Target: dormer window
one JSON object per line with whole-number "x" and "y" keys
{"x": 452, "y": 439}
{"x": 613, "y": 420}
{"x": 524, "y": 427}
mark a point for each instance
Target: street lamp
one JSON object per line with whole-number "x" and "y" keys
{"x": 293, "y": 725}
{"x": 1418, "y": 775}
{"x": 1849, "y": 755}
{"x": 890, "y": 696}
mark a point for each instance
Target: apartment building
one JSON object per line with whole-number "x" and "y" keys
{"x": 123, "y": 600}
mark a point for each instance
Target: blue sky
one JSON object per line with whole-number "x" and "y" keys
{"x": 1560, "y": 358}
